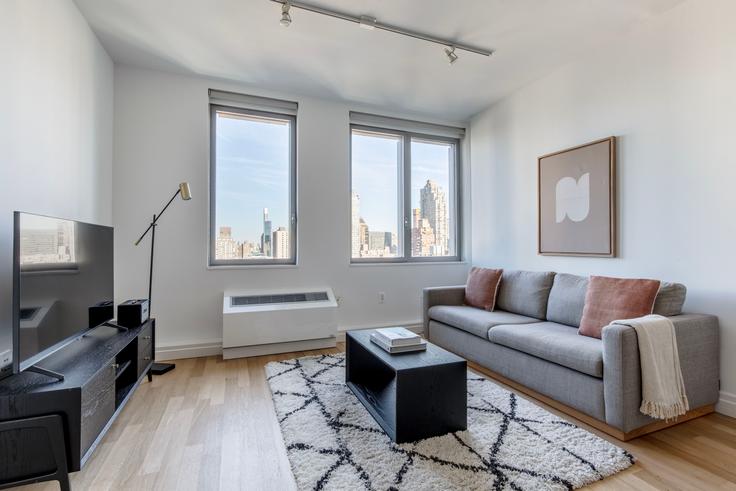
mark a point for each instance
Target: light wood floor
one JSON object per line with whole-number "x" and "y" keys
{"x": 210, "y": 424}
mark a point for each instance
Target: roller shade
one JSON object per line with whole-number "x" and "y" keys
{"x": 257, "y": 103}
{"x": 389, "y": 123}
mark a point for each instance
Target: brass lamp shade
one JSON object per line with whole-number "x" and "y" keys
{"x": 186, "y": 193}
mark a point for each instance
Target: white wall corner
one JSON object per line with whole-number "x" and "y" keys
{"x": 727, "y": 404}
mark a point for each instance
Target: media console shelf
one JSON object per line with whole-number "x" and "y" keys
{"x": 101, "y": 370}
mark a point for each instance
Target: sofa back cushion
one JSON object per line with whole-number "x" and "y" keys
{"x": 525, "y": 292}
{"x": 610, "y": 299}
{"x": 482, "y": 287}
{"x": 670, "y": 299}
{"x": 567, "y": 299}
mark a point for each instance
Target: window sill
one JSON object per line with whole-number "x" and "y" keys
{"x": 251, "y": 266}
{"x": 408, "y": 263}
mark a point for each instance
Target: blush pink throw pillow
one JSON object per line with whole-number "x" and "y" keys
{"x": 610, "y": 299}
{"x": 482, "y": 287}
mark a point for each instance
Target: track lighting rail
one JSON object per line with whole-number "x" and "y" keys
{"x": 371, "y": 23}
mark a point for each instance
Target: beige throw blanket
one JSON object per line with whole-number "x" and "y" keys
{"x": 662, "y": 386}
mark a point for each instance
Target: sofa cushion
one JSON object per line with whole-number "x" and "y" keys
{"x": 475, "y": 321}
{"x": 525, "y": 292}
{"x": 567, "y": 299}
{"x": 670, "y": 299}
{"x": 482, "y": 287}
{"x": 556, "y": 343}
{"x": 610, "y": 299}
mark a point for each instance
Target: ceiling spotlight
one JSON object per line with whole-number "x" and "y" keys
{"x": 451, "y": 56}
{"x": 285, "y": 17}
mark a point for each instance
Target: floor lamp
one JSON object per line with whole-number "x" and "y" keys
{"x": 186, "y": 195}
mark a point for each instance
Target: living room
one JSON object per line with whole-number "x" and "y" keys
{"x": 482, "y": 174}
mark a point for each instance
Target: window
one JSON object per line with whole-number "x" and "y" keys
{"x": 404, "y": 195}
{"x": 253, "y": 188}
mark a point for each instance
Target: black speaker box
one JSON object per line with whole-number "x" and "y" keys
{"x": 133, "y": 313}
{"x": 101, "y": 312}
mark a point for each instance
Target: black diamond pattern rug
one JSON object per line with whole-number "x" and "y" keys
{"x": 334, "y": 443}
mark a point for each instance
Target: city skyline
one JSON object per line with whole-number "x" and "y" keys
{"x": 430, "y": 232}
{"x": 272, "y": 243}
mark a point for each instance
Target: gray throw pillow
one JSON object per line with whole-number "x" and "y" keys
{"x": 567, "y": 299}
{"x": 525, "y": 292}
{"x": 670, "y": 299}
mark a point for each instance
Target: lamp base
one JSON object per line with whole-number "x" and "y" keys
{"x": 161, "y": 368}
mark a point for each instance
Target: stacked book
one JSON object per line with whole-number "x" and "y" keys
{"x": 398, "y": 340}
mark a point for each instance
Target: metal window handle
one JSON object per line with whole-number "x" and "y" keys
{"x": 146, "y": 357}
{"x": 115, "y": 366}
{"x": 146, "y": 337}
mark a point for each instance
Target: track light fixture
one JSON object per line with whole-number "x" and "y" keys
{"x": 285, "y": 17}
{"x": 451, "y": 56}
{"x": 370, "y": 23}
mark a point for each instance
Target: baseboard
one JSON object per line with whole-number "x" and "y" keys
{"x": 727, "y": 404}
{"x": 213, "y": 347}
{"x": 415, "y": 326}
{"x": 178, "y": 351}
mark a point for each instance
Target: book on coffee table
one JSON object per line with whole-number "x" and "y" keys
{"x": 421, "y": 345}
{"x": 397, "y": 336}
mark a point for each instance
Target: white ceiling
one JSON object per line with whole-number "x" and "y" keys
{"x": 319, "y": 56}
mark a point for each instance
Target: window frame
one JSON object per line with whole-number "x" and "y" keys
{"x": 224, "y": 263}
{"x": 404, "y": 202}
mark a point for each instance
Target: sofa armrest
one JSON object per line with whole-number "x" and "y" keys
{"x": 699, "y": 350}
{"x": 440, "y": 295}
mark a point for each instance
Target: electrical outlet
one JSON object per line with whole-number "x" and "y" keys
{"x": 381, "y": 297}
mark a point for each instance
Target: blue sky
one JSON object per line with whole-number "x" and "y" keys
{"x": 253, "y": 169}
{"x": 375, "y": 176}
{"x": 252, "y": 174}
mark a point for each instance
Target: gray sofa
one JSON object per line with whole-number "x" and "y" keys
{"x": 532, "y": 339}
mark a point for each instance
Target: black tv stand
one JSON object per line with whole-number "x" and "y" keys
{"x": 43, "y": 371}
{"x": 101, "y": 371}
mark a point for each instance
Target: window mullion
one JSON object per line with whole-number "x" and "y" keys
{"x": 406, "y": 177}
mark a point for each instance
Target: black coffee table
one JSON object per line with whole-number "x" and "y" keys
{"x": 411, "y": 395}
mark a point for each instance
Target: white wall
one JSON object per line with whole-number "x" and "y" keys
{"x": 56, "y": 107}
{"x": 162, "y": 138}
{"x": 667, "y": 91}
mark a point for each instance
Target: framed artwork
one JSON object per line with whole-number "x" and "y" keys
{"x": 577, "y": 200}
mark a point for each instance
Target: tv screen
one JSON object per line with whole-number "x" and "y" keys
{"x": 63, "y": 283}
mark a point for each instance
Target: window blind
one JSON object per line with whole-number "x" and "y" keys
{"x": 389, "y": 123}
{"x": 257, "y": 103}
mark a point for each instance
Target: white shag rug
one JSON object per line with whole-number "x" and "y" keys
{"x": 334, "y": 443}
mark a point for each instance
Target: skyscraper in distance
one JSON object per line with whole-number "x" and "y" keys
{"x": 433, "y": 204}
{"x": 225, "y": 246}
{"x": 281, "y": 244}
{"x": 266, "y": 236}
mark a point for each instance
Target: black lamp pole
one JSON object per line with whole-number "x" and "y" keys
{"x": 186, "y": 195}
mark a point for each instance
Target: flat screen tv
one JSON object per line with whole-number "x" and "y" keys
{"x": 62, "y": 284}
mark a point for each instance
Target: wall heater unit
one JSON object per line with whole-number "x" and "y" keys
{"x": 266, "y": 322}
